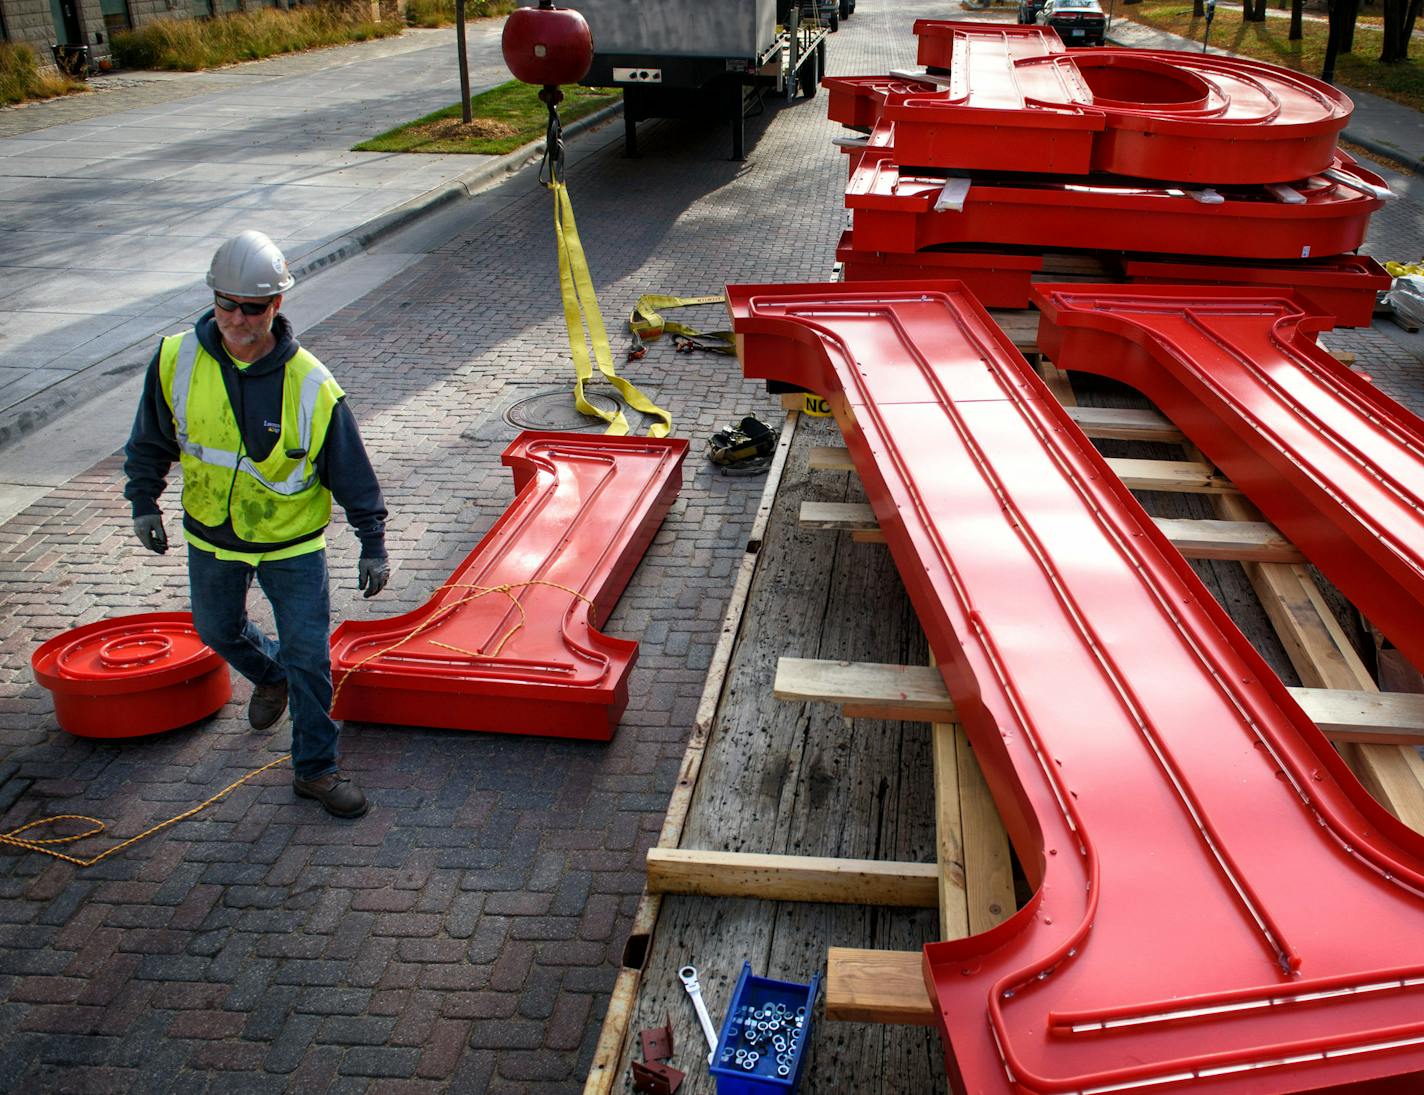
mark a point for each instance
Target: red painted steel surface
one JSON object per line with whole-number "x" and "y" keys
{"x": 1219, "y": 905}
{"x": 131, "y": 676}
{"x": 1018, "y": 101}
{"x": 1343, "y": 286}
{"x": 998, "y": 280}
{"x": 1337, "y": 465}
{"x": 894, "y": 211}
{"x": 857, "y": 101}
{"x": 586, "y": 508}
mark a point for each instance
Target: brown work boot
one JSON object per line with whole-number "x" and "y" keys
{"x": 340, "y": 796}
{"x": 267, "y": 704}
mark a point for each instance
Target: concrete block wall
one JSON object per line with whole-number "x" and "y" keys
{"x": 143, "y": 12}
{"x": 30, "y": 22}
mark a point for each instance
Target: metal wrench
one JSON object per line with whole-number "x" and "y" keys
{"x": 694, "y": 989}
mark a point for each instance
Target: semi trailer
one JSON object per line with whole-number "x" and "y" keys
{"x": 692, "y": 59}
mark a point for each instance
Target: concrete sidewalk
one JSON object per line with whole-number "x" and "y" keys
{"x": 112, "y": 203}
{"x": 1378, "y": 125}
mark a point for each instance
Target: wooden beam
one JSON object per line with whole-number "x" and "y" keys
{"x": 988, "y": 868}
{"x": 1346, "y": 715}
{"x": 1104, "y": 423}
{"x": 866, "y": 986}
{"x": 1378, "y": 718}
{"x": 1124, "y": 424}
{"x": 1245, "y": 541}
{"x": 916, "y": 690}
{"x": 949, "y": 832}
{"x": 793, "y": 878}
{"x": 1178, "y": 476}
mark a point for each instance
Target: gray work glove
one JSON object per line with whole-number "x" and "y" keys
{"x": 372, "y": 574}
{"x": 149, "y": 530}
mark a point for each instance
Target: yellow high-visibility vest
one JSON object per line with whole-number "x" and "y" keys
{"x": 272, "y": 501}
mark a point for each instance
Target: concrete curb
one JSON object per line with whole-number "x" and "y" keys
{"x": 46, "y": 405}
{"x": 1384, "y": 150}
{"x": 462, "y": 186}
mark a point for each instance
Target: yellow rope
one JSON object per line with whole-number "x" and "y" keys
{"x": 45, "y": 845}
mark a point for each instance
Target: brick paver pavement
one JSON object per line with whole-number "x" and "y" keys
{"x": 464, "y": 935}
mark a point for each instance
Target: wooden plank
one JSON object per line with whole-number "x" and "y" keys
{"x": 793, "y": 878}
{"x": 915, "y": 689}
{"x": 949, "y": 838}
{"x": 1345, "y": 715}
{"x": 1124, "y": 424}
{"x": 868, "y": 986}
{"x": 1379, "y": 718}
{"x": 976, "y": 862}
{"x": 1182, "y": 476}
{"x": 1021, "y": 326}
{"x": 1058, "y": 382}
{"x": 606, "y": 1071}
{"x": 1254, "y": 541}
{"x": 1102, "y": 423}
{"x": 988, "y": 867}
{"x": 1241, "y": 540}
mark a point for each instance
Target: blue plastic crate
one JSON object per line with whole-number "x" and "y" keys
{"x": 753, "y": 994}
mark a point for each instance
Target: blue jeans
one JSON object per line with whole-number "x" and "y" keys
{"x": 301, "y": 603}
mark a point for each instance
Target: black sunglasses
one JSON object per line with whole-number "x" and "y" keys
{"x": 227, "y": 304}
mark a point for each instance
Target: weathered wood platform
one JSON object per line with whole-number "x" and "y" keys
{"x": 825, "y": 777}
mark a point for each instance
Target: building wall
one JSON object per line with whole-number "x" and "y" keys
{"x": 29, "y": 21}
{"x": 143, "y": 12}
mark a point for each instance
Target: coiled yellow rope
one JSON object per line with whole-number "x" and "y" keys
{"x": 49, "y": 845}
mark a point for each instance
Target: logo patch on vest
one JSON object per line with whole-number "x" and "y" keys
{"x": 272, "y": 427}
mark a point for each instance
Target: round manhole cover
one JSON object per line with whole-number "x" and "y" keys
{"x": 555, "y": 410}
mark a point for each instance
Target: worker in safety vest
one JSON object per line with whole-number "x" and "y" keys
{"x": 265, "y": 440}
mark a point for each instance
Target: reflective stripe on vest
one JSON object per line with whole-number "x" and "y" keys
{"x": 296, "y": 482}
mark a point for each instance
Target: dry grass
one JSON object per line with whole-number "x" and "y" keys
{"x": 441, "y": 13}
{"x": 192, "y": 44}
{"x": 22, "y": 80}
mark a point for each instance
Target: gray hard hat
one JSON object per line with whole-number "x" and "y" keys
{"x": 250, "y": 265}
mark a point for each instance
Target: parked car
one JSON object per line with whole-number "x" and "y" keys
{"x": 1078, "y": 22}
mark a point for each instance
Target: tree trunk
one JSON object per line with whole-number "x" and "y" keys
{"x": 1347, "y": 33}
{"x": 1332, "y": 43}
{"x": 1297, "y": 23}
{"x": 1414, "y": 9}
{"x": 1198, "y": 9}
{"x": 1253, "y": 11}
{"x": 1396, "y": 42}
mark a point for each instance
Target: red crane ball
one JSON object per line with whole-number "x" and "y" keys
{"x": 547, "y": 45}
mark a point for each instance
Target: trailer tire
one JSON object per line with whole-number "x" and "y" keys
{"x": 810, "y": 75}
{"x": 845, "y": 9}
{"x": 835, "y": 21}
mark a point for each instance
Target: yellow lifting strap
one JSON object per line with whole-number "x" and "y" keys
{"x": 585, "y": 324}
{"x": 645, "y": 322}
